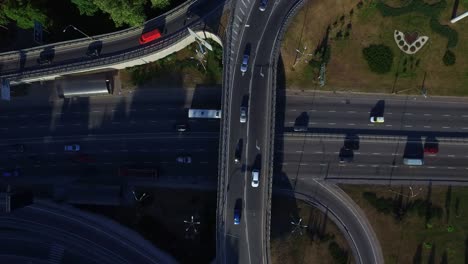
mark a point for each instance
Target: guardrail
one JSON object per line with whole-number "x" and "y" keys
{"x": 370, "y": 138}
{"x": 220, "y": 224}
{"x": 79, "y": 63}
{"x": 137, "y": 29}
{"x": 291, "y": 13}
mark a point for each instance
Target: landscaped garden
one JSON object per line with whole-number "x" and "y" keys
{"x": 378, "y": 46}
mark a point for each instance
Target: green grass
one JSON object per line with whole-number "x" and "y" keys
{"x": 400, "y": 239}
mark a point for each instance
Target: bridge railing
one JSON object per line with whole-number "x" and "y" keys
{"x": 133, "y": 30}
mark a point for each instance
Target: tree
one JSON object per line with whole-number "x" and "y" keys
{"x": 379, "y": 58}
{"x": 130, "y": 12}
{"x": 86, "y": 7}
{"x": 449, "y": 58}
{"x": 160, "y": 4}
{"x": 23, "y": 12}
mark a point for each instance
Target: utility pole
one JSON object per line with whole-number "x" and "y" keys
{"x": 192, "y": 224}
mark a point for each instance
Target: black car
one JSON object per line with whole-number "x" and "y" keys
{"x": 351, "y": 142}
{"x": 346, "y": 155}
{"x": 44, "y": 60}
{"x": 92, "y": 53}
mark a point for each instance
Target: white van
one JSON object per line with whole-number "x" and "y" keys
{"x": 413, "y": 162}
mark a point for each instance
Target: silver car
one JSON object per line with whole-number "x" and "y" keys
{"x": 245, "y": 63}
{"x": 255, "y": 180}
{"x": 243, "y": 114}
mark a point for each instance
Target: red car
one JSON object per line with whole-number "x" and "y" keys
{"x": 431, "y": 148}
{"x": 150, "y": 36}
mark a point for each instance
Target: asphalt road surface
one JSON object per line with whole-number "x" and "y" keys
{"x": 323, "y": 111}
{"x": 112, "y": 131}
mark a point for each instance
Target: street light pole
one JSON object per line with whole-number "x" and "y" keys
{"x": 65, "y": 29}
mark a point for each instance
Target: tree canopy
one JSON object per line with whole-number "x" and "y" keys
{"x": 379, "y": 58}
{"x": 23, "y": 12}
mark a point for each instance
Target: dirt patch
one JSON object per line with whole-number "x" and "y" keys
{"x": 413, "y": 239}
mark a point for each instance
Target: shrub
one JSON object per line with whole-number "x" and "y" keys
{"x": 430, "y": 10}
{"x": 446, "y": 31}
{"x": 379, "y": 58}
{"x": 449, "y": 58}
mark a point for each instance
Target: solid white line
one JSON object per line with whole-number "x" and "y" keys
{"x": 303, "y": 164}
{"x": 427, "y": 114}
{"x": 451, "y": 168}
{"x": 318, "y": 152}
{"x": 446, "y": 115}
{"x": 408, "y": 126}
{"x": 431, "y": 167}
{"x": 299, "y": 151}
{"x": 332, "y": 123}
{"x": 351, "y": 124}
{"x": 445, "y": 127}
{"x": 331, "y": 111}
{"x": 451, "y": 156}
{"x": 376, "y": 153}
{"x": 465, "y": 128}
{"x": 408, "y": 114}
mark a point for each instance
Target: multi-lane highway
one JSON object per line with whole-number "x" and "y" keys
{"x": 113, "y": 131}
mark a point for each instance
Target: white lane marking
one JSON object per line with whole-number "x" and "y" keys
{"x": 370, "y": 125}
{"x": 431, "y": 167}
{"x": 408, "y": 126}
{"x": 451, "y": 156}
{"x": 96, "y": 111}
{"x": 375, "y": 165}
{"x": 464, "y": 115}
{"x": 303, "y": 164}
{"x": 242, "y": 11}
{"x": 408, "y": 114}
{"x": 350, "y": 112}
{"x": 323, "y": 164}
{"x": 356, "y": 152}
{"x": 331, "y": 111}
{"x": 291, "y": 122}
{"x": 332, "y": 124}
{"x": 388, "y": 125}
{"x": 446, "y": 115}
{"x": 394, "y": 154}
{"x": 465, "y": 128}
{"x": 376, "y": 153}
{"x": 299, "y": 151}
{"x": 351, "y": 124}
{"x": 445, "y": 127}
{"x": 312, "y": 123}
{"x": 390, "y": 113}
{"x": 244, "y": 3}
{"x": 361, "y": 165}
{"x": 451, "y": 168}
{"x": 427, "y": 114}
{"x": 318, "y": 152}
{"x": 313, "y": 110}
{"x": 292, "y": 110}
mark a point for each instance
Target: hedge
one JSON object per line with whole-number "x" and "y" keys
{"x": 449, "y": 58}
{"x": 415, "y": 6}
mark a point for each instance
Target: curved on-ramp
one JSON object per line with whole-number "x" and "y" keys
{"x": 345, "y": 213}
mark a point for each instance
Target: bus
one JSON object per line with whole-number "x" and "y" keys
{"x": 204, "y": 113}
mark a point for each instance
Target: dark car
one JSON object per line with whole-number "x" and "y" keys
{"x": 263, "y": 5}
{"x": 346, "y": 155}
{"x": 351, "y": 144}
{"x": 44, "y": 60}
{"x": 237, "y": 211}
{"x": 92, "y": 53}
{"x": 17, "y": 148}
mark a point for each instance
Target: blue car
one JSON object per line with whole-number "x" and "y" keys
{"x": 237, "y": 216}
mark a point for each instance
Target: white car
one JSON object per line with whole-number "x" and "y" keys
{"x": 245, "y": 63}
{"x": 72, "y": 148}
{"x": 377, "y": 119}
{"x": 255, "y": 175}
{"x": 243, "y": 114}
{"x": 184, "y": 159}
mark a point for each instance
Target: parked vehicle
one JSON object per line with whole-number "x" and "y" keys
{"x": 245, "y": 63}
{"x": 237, "y": 211}
{"x": 377, "y": 119}
{"x": 263, "y": 5}
{"x": 346, "y": 155}
{"x": 150, "y": 36}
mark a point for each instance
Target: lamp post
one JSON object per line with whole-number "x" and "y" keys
{"x": 71, "y": 26}
{"x": 299, "y": 55}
